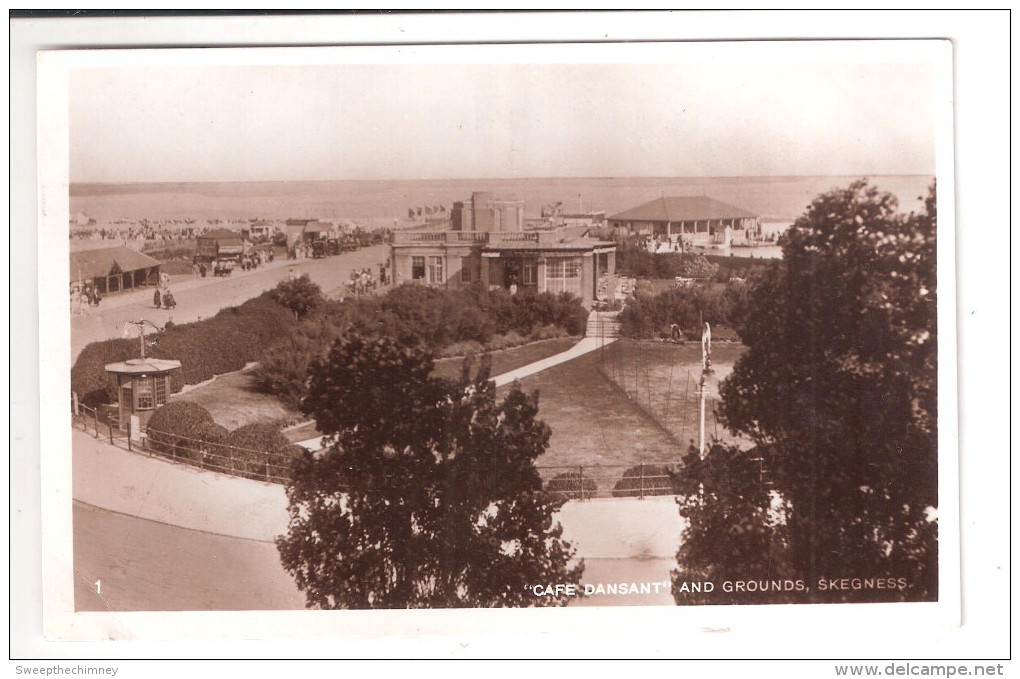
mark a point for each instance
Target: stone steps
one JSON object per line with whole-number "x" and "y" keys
{"x": 604, "y": 325}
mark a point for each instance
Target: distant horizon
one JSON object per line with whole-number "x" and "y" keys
{"x": 780, "y": 197}
{"x": 862, "y": 175}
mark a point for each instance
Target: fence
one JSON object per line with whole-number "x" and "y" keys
{"x": 586, "y": 482}
{"x": 85, "y": 418}
{"x": 573, "y": 482}
{"x": 259, "y": 465}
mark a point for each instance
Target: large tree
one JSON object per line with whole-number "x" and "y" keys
{"x": 426, "y": 495}
{"x": 838, "y": 390}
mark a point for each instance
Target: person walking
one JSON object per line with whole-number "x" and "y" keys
{"x": 156, "y": 299}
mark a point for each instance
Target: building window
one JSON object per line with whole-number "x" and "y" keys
{"x": 161, "y": 391}
{"x": 417, "y": 268}
{"x": 436, "y": 270}
{"x": 563, "y": 275}
{"x": 530, "y": 273}
{"x": 144, "y": 394}
{"x": 465, "y": 270}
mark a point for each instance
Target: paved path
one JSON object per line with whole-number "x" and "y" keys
{"x": 135, "y": 484}
{"x": 585, "y": 346}
{"x": 162, "y": 537}
{"x": 204, "y": 297}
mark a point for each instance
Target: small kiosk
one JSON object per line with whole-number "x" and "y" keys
{"x": 143, "y": 384}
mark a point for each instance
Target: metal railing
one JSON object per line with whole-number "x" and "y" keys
{"x": 85, "y": 418}
{"x": 586, "y": 482}
{"x": 570, "y": 482}
{"x": 259, "y": 465}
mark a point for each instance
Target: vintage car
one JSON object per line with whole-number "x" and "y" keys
{"x": 223, "y": 267}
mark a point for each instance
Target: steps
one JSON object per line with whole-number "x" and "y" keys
{"x": 603, "y": 324}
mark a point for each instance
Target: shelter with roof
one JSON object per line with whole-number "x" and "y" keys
{"x": 697, "y": 220}
{"x": 113, "y": 269}
{"x": 501, "y": 254}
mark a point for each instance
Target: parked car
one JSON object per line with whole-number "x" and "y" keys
{"x": 223, "y": 267}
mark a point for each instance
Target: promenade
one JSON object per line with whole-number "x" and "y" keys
{"x": 199, "y": 298}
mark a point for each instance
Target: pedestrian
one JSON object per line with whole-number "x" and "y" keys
{"x": 156, "y": 298}
{"x": 201, "y": 269}
{"x": 168, "y": 300}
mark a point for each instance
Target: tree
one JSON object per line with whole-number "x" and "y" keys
{"x": 427, "y": 495}
{"x": 735, "y": 530}
{"x": 838, "y": 389}
{"x": 301, "y": 295}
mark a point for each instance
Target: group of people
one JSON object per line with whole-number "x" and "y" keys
{"x": 362, "y": 281}
{"x": 163, "y": 297}
{"x": 83, "y": 297}
{"x": 255, "y": 259}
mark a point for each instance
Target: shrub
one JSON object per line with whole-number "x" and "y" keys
{"x": 170, "y": 428}
{"x": 632, "y": 259}
{"x": 527, "y": 309}
{"x": 643, "y": 480}
{"x": 571, "y": 486}
{"x": 544, "y": 332}
{"x": 89, "y": 378}
{"x": 300, "y": 295}
{"x": 650, "y": 316}
{"x": 258, "y": 450}
{"x": 207, "y": 441}
{"x": 450, "y": 322}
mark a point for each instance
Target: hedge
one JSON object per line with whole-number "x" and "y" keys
{"x": 171, "y": 428}
{"x": 644, "y": 480}
{"x": 257, "y": 445}
{"x": 571, "y": 486}
{"x": 465, "y": 318}
{"x": 215, "y": 346}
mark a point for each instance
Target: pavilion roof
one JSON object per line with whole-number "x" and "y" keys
{"x": 682, "y": 209}
{"x": 104, "y": 261}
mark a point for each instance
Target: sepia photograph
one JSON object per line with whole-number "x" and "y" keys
{"x": 499, "y": 326}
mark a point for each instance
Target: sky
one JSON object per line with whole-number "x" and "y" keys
{"x": 499, "y": 120}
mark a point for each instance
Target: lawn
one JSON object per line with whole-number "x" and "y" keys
{"x": 662, "y": 379}
{"x": 629, "y": 404}
{"x": 233, "y": 401}
{"x": 506, "y": 360}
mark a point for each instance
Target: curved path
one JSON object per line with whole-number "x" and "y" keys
{"x": 162, "y": 537}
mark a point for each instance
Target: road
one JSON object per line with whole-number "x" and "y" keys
{"x": 143, "y": 565}
{"x": 204, "y": 297}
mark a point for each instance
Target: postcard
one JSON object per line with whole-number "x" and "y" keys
{"x": 368, "y": 341}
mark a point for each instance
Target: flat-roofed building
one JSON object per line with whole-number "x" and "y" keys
{"x": 558, "y": 260}
{"x": 485, "y": 212}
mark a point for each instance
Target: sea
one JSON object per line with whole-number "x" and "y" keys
{"x": 386, "y": 203}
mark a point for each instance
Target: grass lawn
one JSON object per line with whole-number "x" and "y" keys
{"x": 233, "y": 401}
{"x": 621, "y": 407}
{"x": 592, "y": 420}
{"x": 661, "y": 378}
{"x": 506, "y": 360}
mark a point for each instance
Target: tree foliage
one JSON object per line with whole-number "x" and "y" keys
{"x": 736, "y": 529}
{"x": 301, "y": 295}
{"x": 839, "y": 382}
{"x": 427, "y": 494}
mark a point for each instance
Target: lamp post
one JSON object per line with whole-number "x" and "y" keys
{"x": 706, "y": 370}
{"x": 141, "y": 333}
